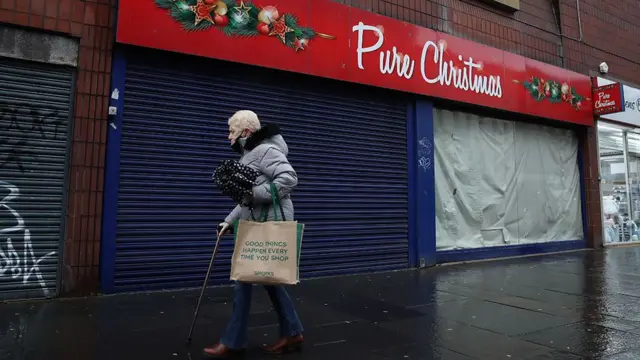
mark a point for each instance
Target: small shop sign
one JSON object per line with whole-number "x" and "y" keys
{"x": 608, "y": 99}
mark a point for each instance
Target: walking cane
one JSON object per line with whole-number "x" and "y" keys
{"x": 204, "y": 286}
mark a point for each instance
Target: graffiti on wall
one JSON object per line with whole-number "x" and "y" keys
{"x": 25, "y": 266}
{"x": 424, "y": 153}
{"x": 21, "y": 129}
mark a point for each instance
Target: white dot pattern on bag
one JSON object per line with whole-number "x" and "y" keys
{"x": 235, "y": 180}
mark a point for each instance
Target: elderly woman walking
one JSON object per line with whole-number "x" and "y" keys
{"x": 264, "y": 150}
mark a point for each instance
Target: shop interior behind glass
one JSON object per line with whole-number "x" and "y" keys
{"x": 619, "y": 149}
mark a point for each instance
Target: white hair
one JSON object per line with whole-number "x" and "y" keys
{"x": 244, "y": 119}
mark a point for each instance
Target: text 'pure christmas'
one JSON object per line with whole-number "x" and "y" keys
{"x": 448, "y": 73}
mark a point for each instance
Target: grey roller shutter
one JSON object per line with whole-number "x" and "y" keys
{"x": 35, "y": 102}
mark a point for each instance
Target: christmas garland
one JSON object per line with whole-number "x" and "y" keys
{"x": 553, "y": 91}
{"x": 240, "y": 18}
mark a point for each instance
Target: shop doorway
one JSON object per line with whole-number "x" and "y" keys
{"x": 619, "y": 153}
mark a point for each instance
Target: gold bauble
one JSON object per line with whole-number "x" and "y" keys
{"x": 221, "y": 8}
{"x": 268, "y": 14}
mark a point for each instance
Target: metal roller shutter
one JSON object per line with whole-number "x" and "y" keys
{"x": 349, "y": 152}
{"x": 34, "y": 102}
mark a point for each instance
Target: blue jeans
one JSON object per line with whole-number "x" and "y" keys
{"x": 235, "y": 336}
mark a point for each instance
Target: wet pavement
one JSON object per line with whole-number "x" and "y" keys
{"x": 580, "y": 305}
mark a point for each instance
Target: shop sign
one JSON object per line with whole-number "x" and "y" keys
{"x": 326, "y": 39}
{"x": 608, "y": 99}
{"x": 631, "y": 113}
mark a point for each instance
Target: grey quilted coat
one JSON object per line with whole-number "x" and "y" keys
{"x": 266, "y": 151}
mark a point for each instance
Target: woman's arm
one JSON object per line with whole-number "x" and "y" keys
{"x": 234, "y": 215}
{"x": 276, "y": 167}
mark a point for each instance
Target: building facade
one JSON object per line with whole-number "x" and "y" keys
{"x": 139, "y": 247}
{"x": 55, "y": 65}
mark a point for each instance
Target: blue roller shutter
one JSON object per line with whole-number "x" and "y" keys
{"x": 348, "y": 145}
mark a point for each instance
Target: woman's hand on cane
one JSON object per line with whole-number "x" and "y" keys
{"x": 224, "y": 228}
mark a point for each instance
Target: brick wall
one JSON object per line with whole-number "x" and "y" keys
{"x": 92, "y": 22}
{"x": 611, "y": 33}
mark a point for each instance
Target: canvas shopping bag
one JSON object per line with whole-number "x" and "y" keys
{"x": 267, "y": 252}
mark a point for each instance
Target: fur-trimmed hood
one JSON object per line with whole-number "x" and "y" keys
{"x": 269, "y": 133}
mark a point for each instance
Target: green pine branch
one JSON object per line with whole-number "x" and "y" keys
{"x": 299, "y": 32}
{"x": 254, "y": 12}
{"x": 230, "y": 4}
{"x": 307, "y": 33}
{"x": 187, "y": 18}
{"x": 291, "y": 21}
{"x": 164, "y": 4}
{"x": 576, "y": 99}
{"x": 242, "y": 25}
{"x": 240, "y": 31}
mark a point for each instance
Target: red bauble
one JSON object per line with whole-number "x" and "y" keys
{"x": 263, "y": 28}
{"x": 221, "y": 20}
{"x": 209, "y": 2}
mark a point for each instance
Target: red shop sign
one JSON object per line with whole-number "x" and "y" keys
{"x": 608, "y": 99}
{"x": 323, "y": 38}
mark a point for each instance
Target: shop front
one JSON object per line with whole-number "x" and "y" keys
{"x": 352, "y": 95}
{"x": 619, "y": 153}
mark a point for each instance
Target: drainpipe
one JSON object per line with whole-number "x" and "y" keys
{"x": 581, "y": 39}
{"x": 562, "y": 36}
{"x": 556, "y": 18}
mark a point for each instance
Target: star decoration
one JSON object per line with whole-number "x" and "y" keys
{"x": 280, "y": 29}
{"x": 300, "y": 44}
{"x": 242, "y": 10}
{"x": 202, "y": 12}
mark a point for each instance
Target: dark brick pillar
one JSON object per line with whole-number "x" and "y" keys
{"x": 592, "y": 186}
